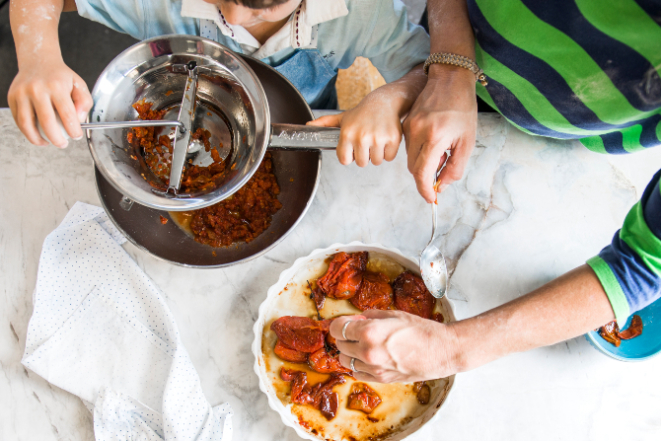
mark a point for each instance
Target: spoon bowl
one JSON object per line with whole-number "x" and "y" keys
{"x": 435, "y": 274}
{"x": 433, "y": 269}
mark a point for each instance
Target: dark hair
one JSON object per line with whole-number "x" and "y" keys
{"x": 259, "y": 4}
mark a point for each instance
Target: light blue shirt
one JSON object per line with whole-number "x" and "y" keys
{"x": 375, "y": 29}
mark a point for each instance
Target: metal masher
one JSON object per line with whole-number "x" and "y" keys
{"x": 220, "y": 93}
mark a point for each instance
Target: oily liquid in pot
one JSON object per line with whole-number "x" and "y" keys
{"x": 182, "y": 219}
{"x": 399, "y": 408}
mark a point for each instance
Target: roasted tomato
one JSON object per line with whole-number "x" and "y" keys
{"x": 300, "y": 390}
{"x": 318, "y": 297}
{"x": 423, "y": 392}
{"x": 326, "y": 362}
{"x": 299, "y": 333}
{"x": 634, "y": 329}
{"x": 289, "y": 374}
{"x": 289, "y": 354}
{"x": 320, "y": 396}
{"x": 610, "y": 332}
{"x": 324, "y": 398}
{"x": 438, "y": 317}
{"x": 344, "y": 275}
{"x": 363, "y": 398}
{"x": 412, "y": 296}
{"x": 327, "y": 403}
{"x": 325, "y": 324}
{"x": 375, "y": 292}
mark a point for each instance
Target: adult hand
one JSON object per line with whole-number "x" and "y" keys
{"x": 39, "y": 92}
{"x": 395, "y": 346}
{"x": 444, "y": 117}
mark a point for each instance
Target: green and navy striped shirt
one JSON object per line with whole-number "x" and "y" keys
{"x": 586, "y": 69}
{"x": 629, "y": 268}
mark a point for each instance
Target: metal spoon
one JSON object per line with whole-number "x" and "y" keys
{"x": 433, "y": 270}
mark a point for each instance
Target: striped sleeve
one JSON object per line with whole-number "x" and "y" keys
{"x": 629, "y": 269}
{"x": 579, "y": 69}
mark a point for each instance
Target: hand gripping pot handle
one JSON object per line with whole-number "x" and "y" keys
{"x": 300, "y": 137}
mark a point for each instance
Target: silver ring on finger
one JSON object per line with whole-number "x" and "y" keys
{"x": 353, "y": 368}
{"x": 344, "y": 330}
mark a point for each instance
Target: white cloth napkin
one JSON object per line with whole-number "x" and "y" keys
{"x": 102, "y": 331}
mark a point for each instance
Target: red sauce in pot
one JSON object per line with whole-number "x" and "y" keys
{"x": 241, "y": 217}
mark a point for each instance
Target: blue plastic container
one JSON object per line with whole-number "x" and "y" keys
{"x": 639, "y": 348}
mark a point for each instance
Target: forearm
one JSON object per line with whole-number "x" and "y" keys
{"x": 402, "y": 93}
{"x": 34, "y": 26}
{"x": 566, "y": 307}
{"x": 450, "y": 31}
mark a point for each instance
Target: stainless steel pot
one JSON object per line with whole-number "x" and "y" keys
{"x": 201, "y": 84}
{"x": 297, "y": 173}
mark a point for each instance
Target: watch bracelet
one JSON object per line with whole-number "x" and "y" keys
{"x": 456, "y": 60}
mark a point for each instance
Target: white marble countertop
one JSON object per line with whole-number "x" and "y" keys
{"x": 527, "y": 210}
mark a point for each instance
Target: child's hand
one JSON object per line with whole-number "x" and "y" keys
{"x": 38, "y": 91}
{"x": 370, "y": 131}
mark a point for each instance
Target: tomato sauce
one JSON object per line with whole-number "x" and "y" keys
{"x": 244, "y": 215}
{"x": 157, "y": 151}
{"x": 241, "y": 217}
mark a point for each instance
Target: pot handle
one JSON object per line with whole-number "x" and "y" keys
{"x": 300, "y": 137}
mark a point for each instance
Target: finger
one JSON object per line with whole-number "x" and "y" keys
{"x": 367, "y": 372}
{"x": 48, "y": 121}
{"x": 82, "y": 99}
{"x": 439, "y": 187}
{"x": 381, "y": 314}
{"x": 11, "y": 102}
{"x": 376, "y": 153}
{"x": 454, "y": 169}
{"x": 351, "y": 348}
{"x": 67, "y": 112}
{"x": 390, "y": 151}
{"x": 415, "y": 137}
{"x": 337, "y": 325}
{"x": 26, "y": 121}
{"x": 327, "y": 121}
{"x": 425, "y": 169}
{"x": 413, "y": 147}
{"x": 358, "y": 364}
{"x": 365, "y": 377}
{"x": 344, "y": 150}
{"x": 361, "y": 151}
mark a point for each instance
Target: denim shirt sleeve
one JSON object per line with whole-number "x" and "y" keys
{"x": 629, "y": 269}
{"x": 140, "y": 19}
{"x": 395, "y": 45}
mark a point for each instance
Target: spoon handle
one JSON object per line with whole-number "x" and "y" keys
{"x": 434, "y": 210}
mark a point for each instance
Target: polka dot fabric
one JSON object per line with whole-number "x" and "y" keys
{"x": 102, "y": 331}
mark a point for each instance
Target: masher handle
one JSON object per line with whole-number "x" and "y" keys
{"x": 139, "y": 123}
{"x": 111, "y": 125}
{"x": 182, "y": 139}
{"x": 300, "y": 137}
